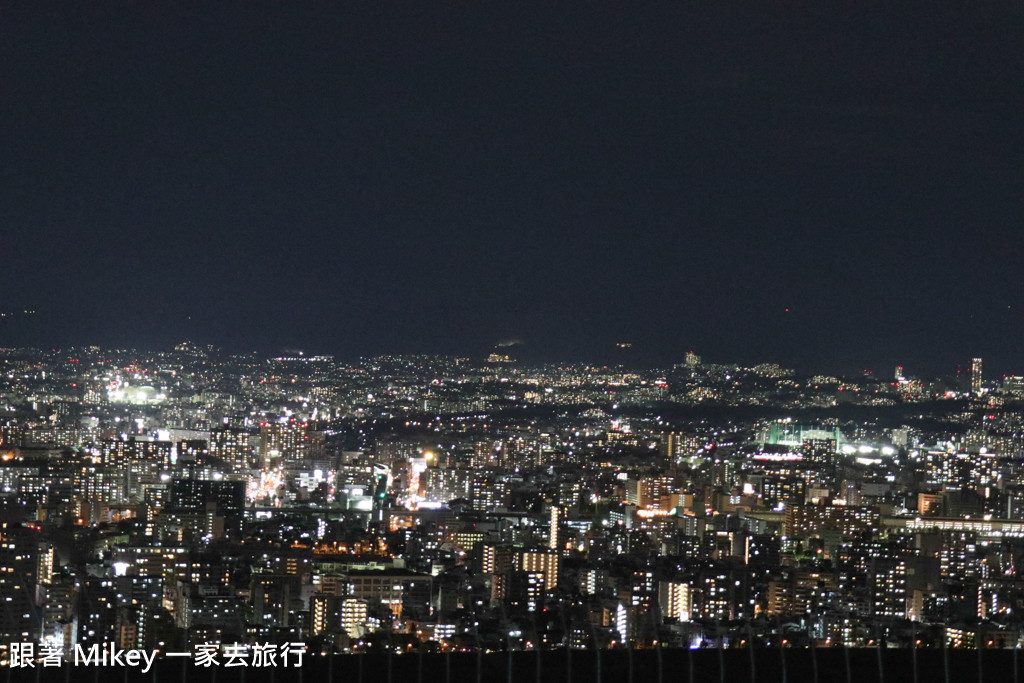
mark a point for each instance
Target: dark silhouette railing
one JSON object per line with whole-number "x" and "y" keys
{"x": 622, "y": 665}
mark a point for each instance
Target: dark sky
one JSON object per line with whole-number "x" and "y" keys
{"x": 364, "y": 177}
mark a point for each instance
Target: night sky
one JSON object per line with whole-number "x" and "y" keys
{"x": 827, "y": 185}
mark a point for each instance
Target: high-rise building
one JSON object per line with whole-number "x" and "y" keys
{"x": 233, "y": 446}
{"x": 121, "y": 453}
{"x": 193, "y": 450}
{"x": 44, "y": 563}
{"x": 354, "y": 614}
{"x": 325, "y": 613}
{"x": 650, "y": 492}
{"x": 545, "y": 561}
{"x": 496, "y": 558}
{"x": 97, "y": 612}
{"x": 19, "y": 548}
{"x": 286, "y": 441}
{"x": 194, "y": 494}
{"x": 975, "y": 375}
{"x": 674, "y": 598}
{"x": 556, "y": 518}
{"x": 526, "y": 589}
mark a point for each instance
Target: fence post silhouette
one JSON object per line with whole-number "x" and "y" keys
{"x": 945, "y": 657}
{"x": 597, "y": 649}
{"x": 913, "y": 654}
{"x": 655, "y": 614}
{"x": 814, "y": 661}
{"x": 721, "y": 660}
{"x": 508, "y": 643}
{"x": 878, "y": 656}
{"x": 750, "y": 648}
{"x": 566, "y": 643}
{"x": 782, "y": 656}
{"x": 479, "y": 648}
{"x": 537, "y": 641}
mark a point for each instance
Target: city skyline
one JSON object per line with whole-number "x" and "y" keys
{"x": 466, "y": 340}
{"x": 967, "y": 370}
{"x": 191, "y": 504}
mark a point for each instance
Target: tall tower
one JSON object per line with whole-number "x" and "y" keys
{"x": 288, "y": 441}
{"x": 556, "y": 518}
{"x": 233, "y": 446}
{"x": 975, "y": 376}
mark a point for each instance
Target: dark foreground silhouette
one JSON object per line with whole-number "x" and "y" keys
{"x": 831, "y": 665}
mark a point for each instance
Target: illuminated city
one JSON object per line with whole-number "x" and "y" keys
{"x": 451, "y": 505}
{"x": 511, "y": 342}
